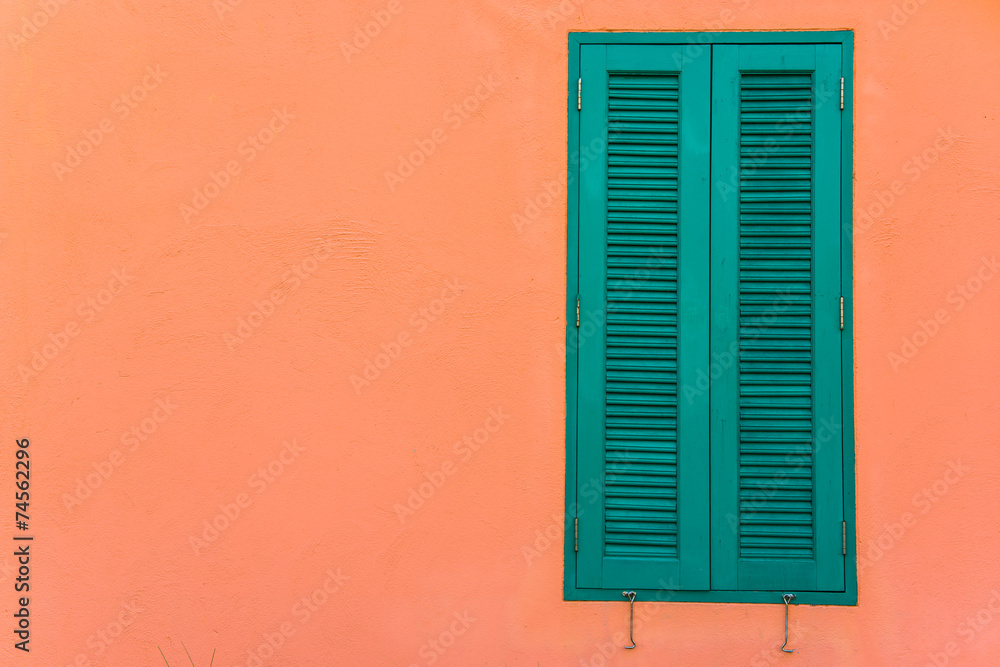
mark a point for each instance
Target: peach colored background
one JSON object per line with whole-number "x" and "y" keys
{"x": 494, "y": 342}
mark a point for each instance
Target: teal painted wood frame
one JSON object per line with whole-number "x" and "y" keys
{"x": 578, "y": 154}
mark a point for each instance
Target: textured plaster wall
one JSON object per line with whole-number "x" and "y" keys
{"x": 239, "y": 348}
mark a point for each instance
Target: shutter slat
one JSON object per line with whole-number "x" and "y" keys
{"x": 775, "y": 271}
{"x": 641, "y": 398}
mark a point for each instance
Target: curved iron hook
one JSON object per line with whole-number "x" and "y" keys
{"x": 631, "y": 601}
{"x": 787, "y": 597}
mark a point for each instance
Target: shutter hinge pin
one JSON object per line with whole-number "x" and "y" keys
{"x": 579, "y": 95}
{"x": 841, "y": 93}
{"x": 576, "y": 534}
{"x": 577, "y": 311}
{"x": 841, "y": 313}
{"x": 843, "y": 537}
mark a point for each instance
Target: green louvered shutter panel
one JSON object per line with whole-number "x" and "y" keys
{"x": 777, "y": 485}
{"x": 642, "y": 449}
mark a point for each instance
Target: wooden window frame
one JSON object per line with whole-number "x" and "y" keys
{"x": 701, "y": 40}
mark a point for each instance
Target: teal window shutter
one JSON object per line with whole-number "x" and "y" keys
{"x": 708, "y": 373}
{"x": 644, "y": 249}
{"x": 777, "y": 497}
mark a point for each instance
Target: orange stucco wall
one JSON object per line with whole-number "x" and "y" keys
{"x": 238, "y": 347}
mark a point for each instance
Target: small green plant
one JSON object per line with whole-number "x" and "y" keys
{"x": 188, "y": 655}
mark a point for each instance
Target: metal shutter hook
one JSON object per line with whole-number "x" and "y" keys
{"x": 787, "y": 597}
{"x": 631, "y": 601}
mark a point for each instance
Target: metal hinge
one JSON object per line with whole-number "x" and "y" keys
{"x": 843, "y": 537}
{"x": 579, "y": 95}
{"x": 577, "y": 311}
{"x": 576, "y": 534}
{"x": 841, "y": 93}
{"x": 841, "y": 313}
